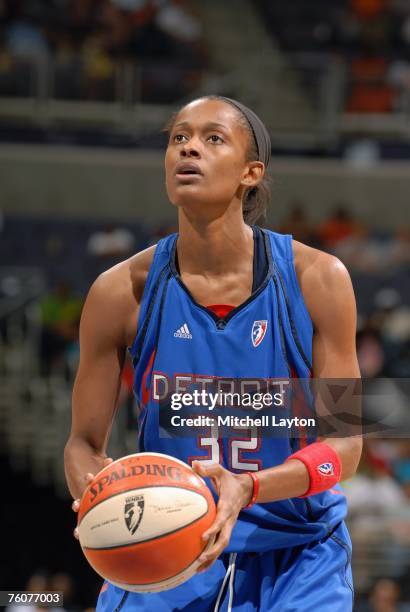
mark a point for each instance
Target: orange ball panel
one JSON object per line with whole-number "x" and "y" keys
{"x": 155, "y": 560}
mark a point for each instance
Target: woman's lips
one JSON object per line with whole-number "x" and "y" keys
{"x": 187, "y": 169}
{"x": 187, "y": 178}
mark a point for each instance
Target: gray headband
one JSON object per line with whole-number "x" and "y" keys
{"x": 260, "y": 133}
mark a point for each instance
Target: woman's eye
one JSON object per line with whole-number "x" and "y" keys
{"x": 179, "y": 138}
{"x": 215, "y": 138}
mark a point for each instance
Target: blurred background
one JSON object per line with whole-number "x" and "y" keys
{"x": 86, "y": 87}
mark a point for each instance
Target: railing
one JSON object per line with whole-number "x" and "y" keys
{"x": 35, "y": 418}
{"x": 35, "y": 411}
{"x": 46, "y": 92}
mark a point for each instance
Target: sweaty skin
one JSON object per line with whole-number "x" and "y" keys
{"x": 215, "y": 253}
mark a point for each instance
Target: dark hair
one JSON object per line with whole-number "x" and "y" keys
{"x": 255, "y": 199}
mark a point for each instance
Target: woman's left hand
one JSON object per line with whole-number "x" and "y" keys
{"x": 234, "y": 491}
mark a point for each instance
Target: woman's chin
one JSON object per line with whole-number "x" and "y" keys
{"x": 189, "y": 199}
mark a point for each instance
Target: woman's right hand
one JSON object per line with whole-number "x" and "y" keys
{"x": 88, "y": 478}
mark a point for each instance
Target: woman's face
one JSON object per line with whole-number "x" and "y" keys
{"x": 205, "y": 161}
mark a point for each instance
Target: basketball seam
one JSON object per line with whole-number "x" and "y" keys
{"x": 110, "y": 465}
{"x": 172, "y": 486}
{"x": 163, "y": 535}
{"x": 151, "y": 486}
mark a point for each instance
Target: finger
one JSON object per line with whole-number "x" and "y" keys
{"x": 223, "y": 516}
{"x": 89, "y": 477}
{"x": 204, "y": 567}
{"x": 107, "y": 461}
{"x": 215, "y": 549}
{"x": 216, "y": 483}
{"x": 208, "y": 470}
{"x": 214, "y": 552}
{"x": 198, "y": 467}
{"x": 75, "y": 505}
{"x": 214, "y": 530}
{"x": 214, "y": 472}
{"x": 207, "y": 560}
{"x": 76, "y": 534}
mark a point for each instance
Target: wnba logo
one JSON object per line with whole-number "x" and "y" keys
{"x": 133, "y": 511}
{"x": 258, "y": 332}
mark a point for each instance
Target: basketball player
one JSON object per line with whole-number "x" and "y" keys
{"x": 223, "y": 298}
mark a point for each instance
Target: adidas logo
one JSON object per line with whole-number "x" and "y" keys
{"x": 183, "y": 332}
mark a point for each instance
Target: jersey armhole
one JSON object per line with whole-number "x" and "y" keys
{"x": 294, "y": 279}
{"x": 155, "y": 275}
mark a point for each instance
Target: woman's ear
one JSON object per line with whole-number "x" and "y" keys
{"x": 254, "y": 173}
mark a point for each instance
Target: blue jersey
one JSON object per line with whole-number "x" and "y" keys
{"x": 180, "y": 342}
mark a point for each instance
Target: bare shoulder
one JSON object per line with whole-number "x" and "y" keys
{"x": 324, "y": 280}
{"x": 126, "y": 279}
{"x": 115, "y": 296}
{"x": 317, "y": 266}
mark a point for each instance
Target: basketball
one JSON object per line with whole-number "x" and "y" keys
{"x": 141, "y": 520}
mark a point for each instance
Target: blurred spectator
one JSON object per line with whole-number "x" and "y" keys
{"x": 298, "y": 225}
{"x": 99, "y": 69}
{"x": 372, "y": 253}
{"x": 385, "y": 596}
{"x": 60, "y": 316}
{"x": 373, "y": 492}
{"x": 399, "y": 77}
{"x": 99, "y": 48}
{"x": 339, "y": 226}
{"x": 362, "y": 153}
{"x": 368, "y": 9}
{"x": 379, "y": 515}
{"x": 111, "y": 242}
{"x": 174, "y": 19}
{"x": 62, "y": 582}
{"x": 391, "y": 316}
{"x": 400, "y": 255}
{"x": 371, "y": 91}
{"x": 25, "y": 40}
{"x": 370, "y": 353}
{"x": 391, "y": 322}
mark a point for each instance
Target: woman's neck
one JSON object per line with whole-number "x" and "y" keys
{"x": 217, "y": 247}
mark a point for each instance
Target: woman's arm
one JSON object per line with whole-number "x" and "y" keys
{"x": 108, "y": 326}
{"x": 96, "y": 385}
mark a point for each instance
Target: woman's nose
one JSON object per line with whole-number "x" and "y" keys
{"x": 190, "y": 150}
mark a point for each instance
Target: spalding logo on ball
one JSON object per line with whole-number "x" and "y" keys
{"x": 141, "y": 520}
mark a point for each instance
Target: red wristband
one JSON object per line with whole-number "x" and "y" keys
{"x": 323, "y": 464}
{"x": 255, "y": 490}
